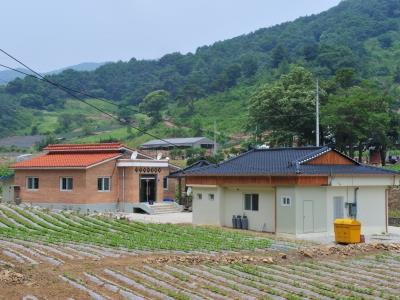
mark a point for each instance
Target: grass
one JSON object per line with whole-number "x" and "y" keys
{"x": 124, "y": 234}
{"x": 394, "y": 213}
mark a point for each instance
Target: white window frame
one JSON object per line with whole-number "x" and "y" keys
{"x": 199, "y": 196}
{"x": 167, "y": 181}
{"x": 211, "y": 196}
{"x": 102, "y": 184}
{"x": 61, "y": 184}
{"x": 251, "y": 202}
{"x": 33, "y": 183}
{"x": 286, "y": 201}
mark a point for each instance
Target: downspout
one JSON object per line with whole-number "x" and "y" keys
{"x": 386, "y": 210}
{"x": 355, "y": 201}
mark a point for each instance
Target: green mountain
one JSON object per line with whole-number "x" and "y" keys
{"x": 215, "y": 82}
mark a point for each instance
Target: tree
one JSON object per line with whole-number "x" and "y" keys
{"x": 358, "y": 117}
{"x": 249, "y": 66}
{"x": 279, "y": 54}
{"x": 345, "y": 77}
{"x": 188, "y": 95}
{"x": 153, "y": 103}
{"x": 286, "y": 107}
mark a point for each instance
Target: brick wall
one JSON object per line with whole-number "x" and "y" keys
{"x": 394, "y": 199}
{"x": 84, "y": 185}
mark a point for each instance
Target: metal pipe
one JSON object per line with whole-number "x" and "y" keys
{"x": 355, "y": 200}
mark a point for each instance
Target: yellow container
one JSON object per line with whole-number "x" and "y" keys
{"x": 347, "y": 231}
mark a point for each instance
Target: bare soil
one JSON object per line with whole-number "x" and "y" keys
{"x": 43, "y": 280}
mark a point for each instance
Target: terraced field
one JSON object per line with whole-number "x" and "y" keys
{"x": 81, "y": 272}
{"x": 49, "y": 255}
{"x": 52, "y": 227}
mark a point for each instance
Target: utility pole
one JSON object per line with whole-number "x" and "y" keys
{"x": 215, "y": 137}
{"x": 317, "y": 116}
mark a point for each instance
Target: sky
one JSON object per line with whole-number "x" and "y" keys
{"x": 48, "y": 35}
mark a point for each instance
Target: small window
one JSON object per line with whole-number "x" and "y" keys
{"x": 211, "y": 197}
{"x": 251, "y": 202}
{"x": 286, "y": 201}
{"x": 165, "y": 183}
{"x": 199, "y": 196}
{"x": 66, "y": 184}
{"x": 32, "y": 183}
{"x": 103, "y": 184}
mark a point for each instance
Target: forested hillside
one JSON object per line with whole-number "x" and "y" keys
{"x": 217, "y": 81}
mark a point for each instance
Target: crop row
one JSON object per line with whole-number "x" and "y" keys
{"x": 46, "y": 226}
{"x": 306, "y": 280}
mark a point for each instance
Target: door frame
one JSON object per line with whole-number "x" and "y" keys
{"x": 150, "y": 177}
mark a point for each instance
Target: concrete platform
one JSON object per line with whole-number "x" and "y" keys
{"x": 393, "y": 236}
{"x": 172, "y": 218}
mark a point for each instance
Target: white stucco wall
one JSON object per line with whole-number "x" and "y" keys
{"x": 286, "y": 215}
{"x": 206, "y": 211}
{"x": 371, "y": 205}
{"x": 261, "y": 220}
{"x": 318, "y": 197}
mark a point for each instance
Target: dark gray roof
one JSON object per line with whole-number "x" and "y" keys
{"x": 199, "y": 164}
{"x": 177, "y": 141}
{"x": 283, "y": 161}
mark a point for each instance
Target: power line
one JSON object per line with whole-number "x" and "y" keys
{"x": 72, "y": 92}
{"x": 42, "y": 78}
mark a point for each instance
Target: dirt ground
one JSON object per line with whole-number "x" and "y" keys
{"x": 43, "y": 280}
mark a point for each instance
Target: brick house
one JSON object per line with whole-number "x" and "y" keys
{"x": 94, "y": 177}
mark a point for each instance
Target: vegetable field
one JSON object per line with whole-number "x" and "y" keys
{"x": 52, "y": 227}
{"x": 27, "y": 268}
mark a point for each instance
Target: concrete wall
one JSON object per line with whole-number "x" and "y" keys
{"x": 318, "y": 197}
{"x": 206, "y": 211}
{"x": 371, "y": 206}
{"x": 261, "y": 220}
{"x": 286, "y": 215}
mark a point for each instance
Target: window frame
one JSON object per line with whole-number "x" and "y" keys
{"x": 254, "y": 198}
{"x": 211, "y": 196}
{"x": 166, "y": 183}
{"x": 286, "y": 203}
{"x": 102, "y": 178}
{"x": 61, "y": 184}
{"x": 33, "y": 183}
{"x": 199, "y": 196}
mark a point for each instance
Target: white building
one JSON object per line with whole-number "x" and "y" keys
{"x": 294, "y": 191}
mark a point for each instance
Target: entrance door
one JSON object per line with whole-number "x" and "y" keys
{"x": 148, "y": 188}
{"x": 308, "y": 216}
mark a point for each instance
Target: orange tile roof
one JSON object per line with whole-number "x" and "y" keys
{"x": 65, "y": 160}
{"x": 83, "y": 147}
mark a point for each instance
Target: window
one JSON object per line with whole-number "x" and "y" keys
{"x": 32, "y": 183}
{"x": 251, "y": 202}
{"x": 286, "y": 201}
{"x": 103, "y": 184}
{"x": 66, "y": 183}
{"x": 211, "y": 197}
{"x": 199, "y": 196}
{"x": 165, "y": 183}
